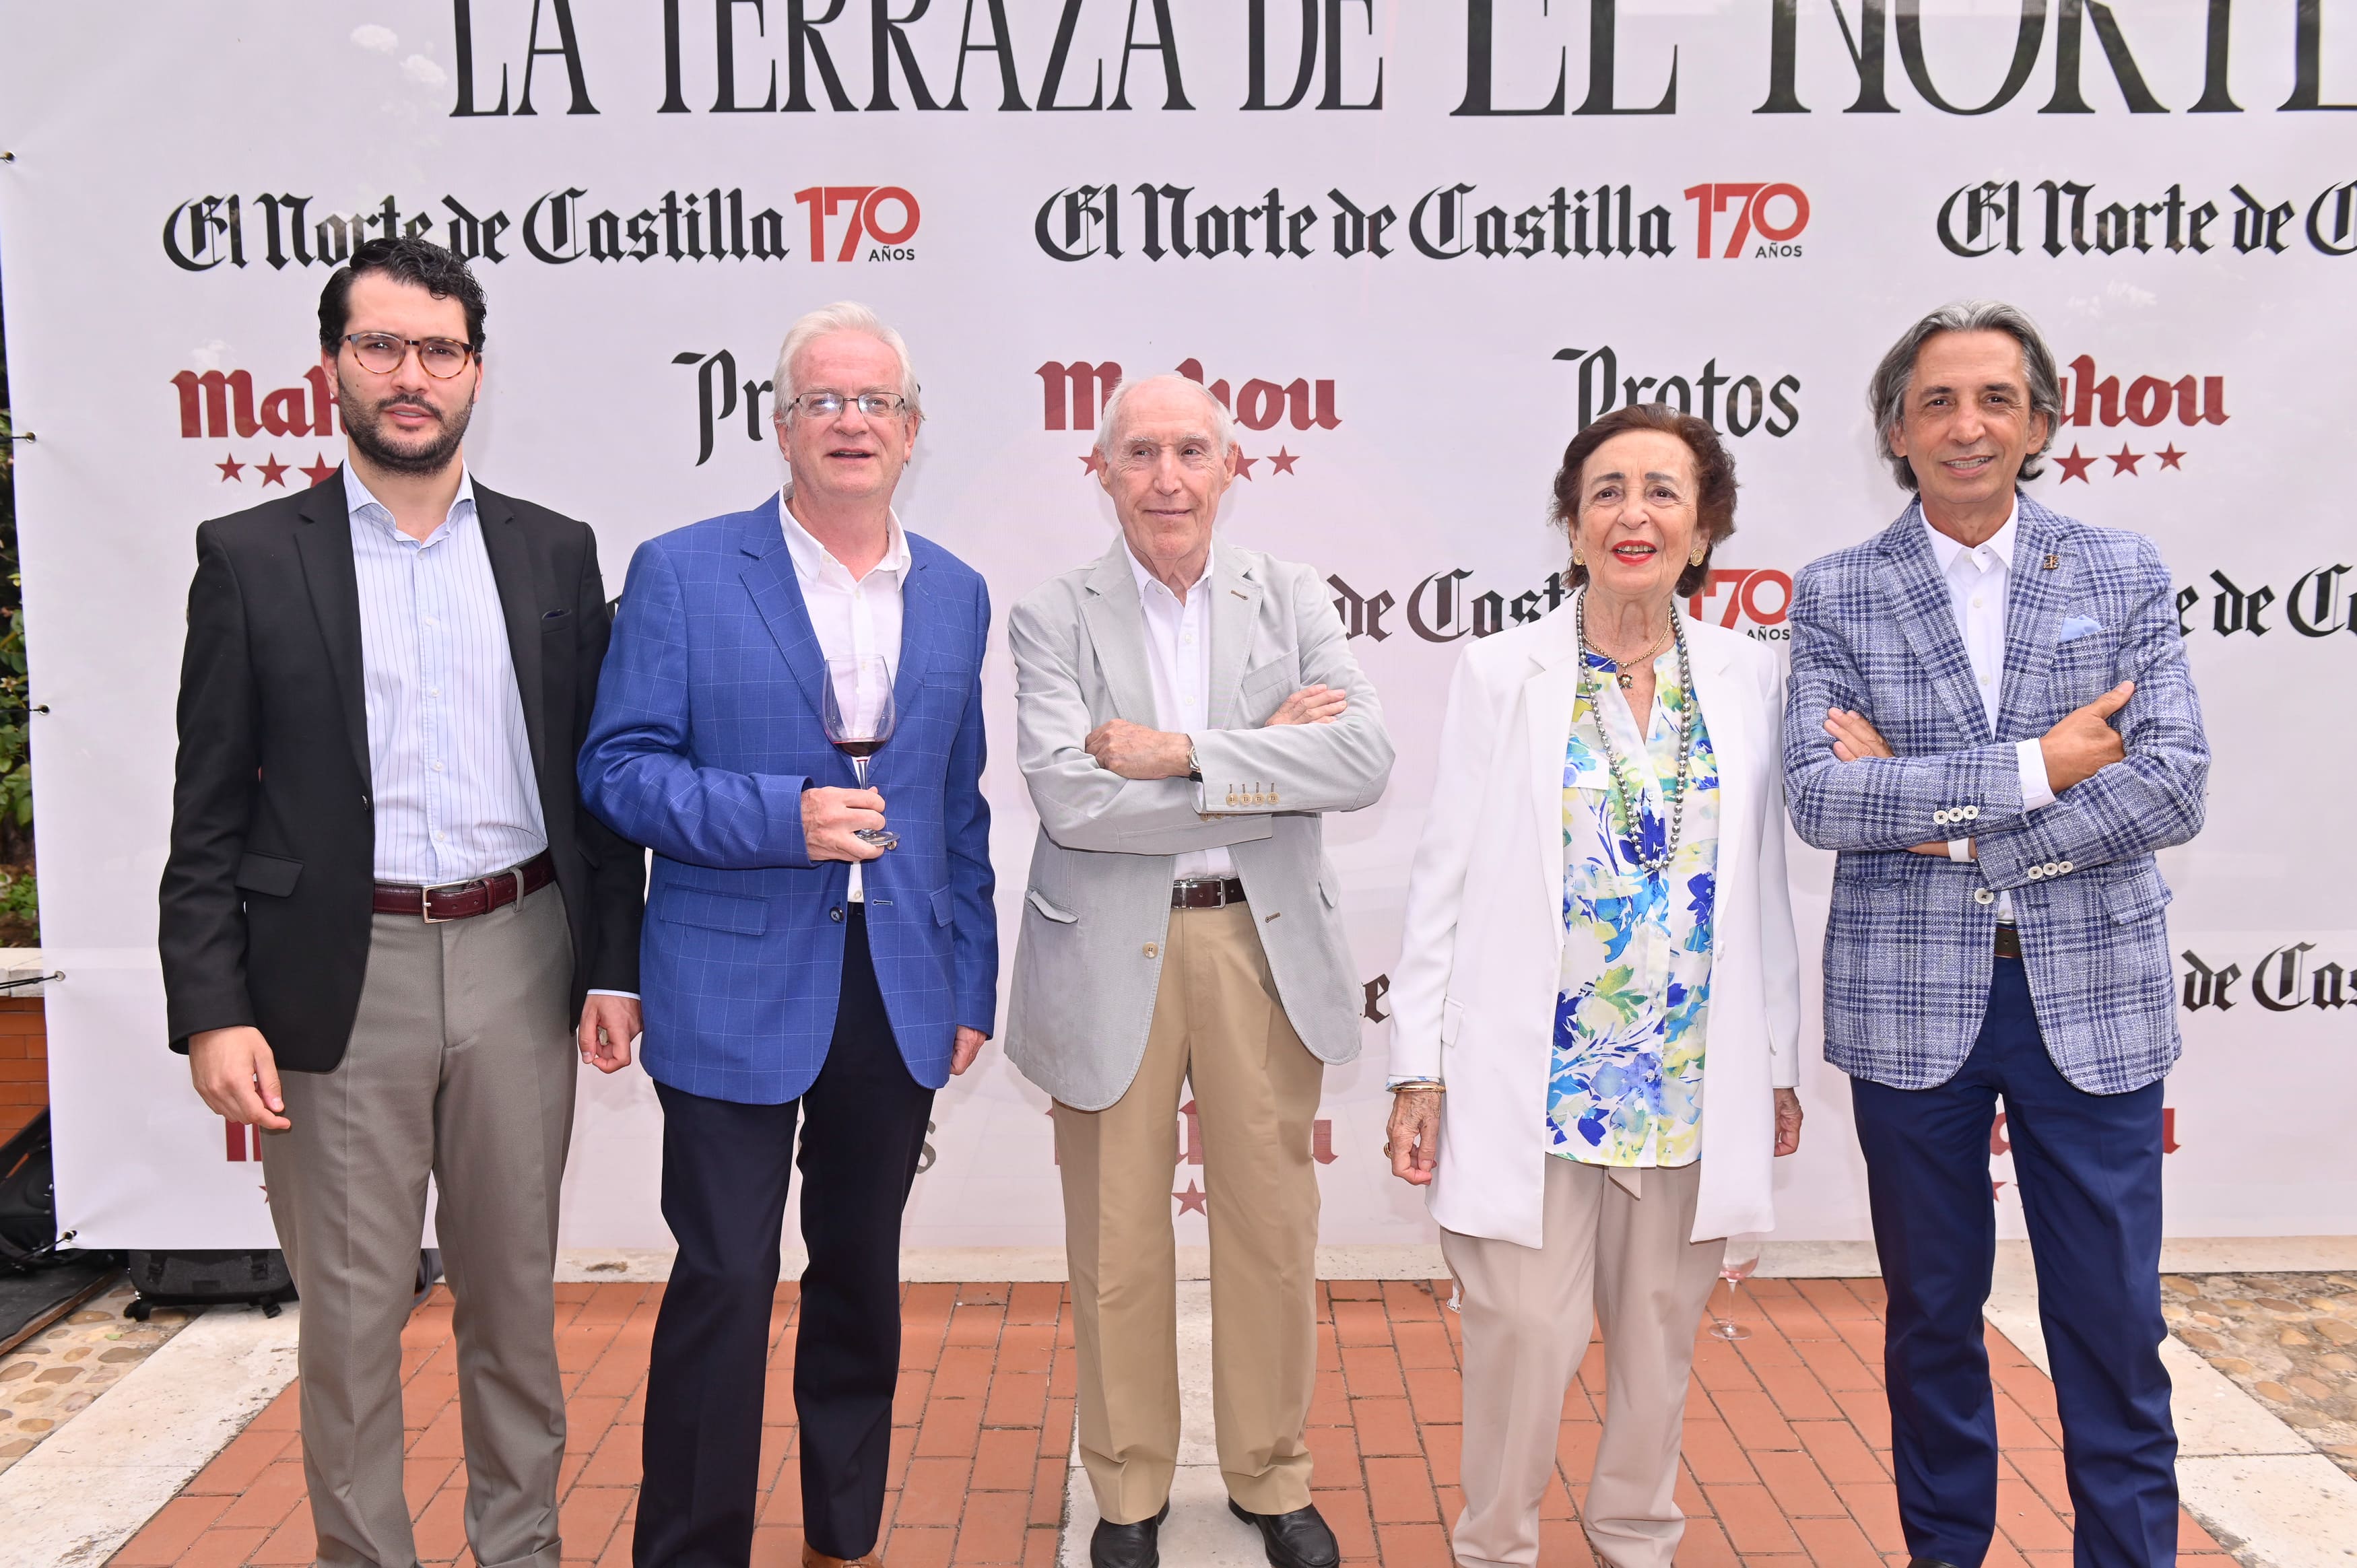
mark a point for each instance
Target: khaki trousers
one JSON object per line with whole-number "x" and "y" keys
{"x": 1219, "y": 1028}
{"x": 1608, "y": 1255}
{"x": 461, "y": 1066}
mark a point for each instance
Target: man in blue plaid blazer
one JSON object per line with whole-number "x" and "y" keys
{"x": 1992, "y": 721}
{"x": 794, "y": 972}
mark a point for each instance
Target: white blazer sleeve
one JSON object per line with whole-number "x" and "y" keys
{"x": 1779, "y": 952}
{"x": 1435, "y": 888}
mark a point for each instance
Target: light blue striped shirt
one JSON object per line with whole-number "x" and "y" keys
{"x": 449, "y": 759}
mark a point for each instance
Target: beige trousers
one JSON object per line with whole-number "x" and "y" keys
{"x": 461, "y": 1066}
{"x": 1219, "y": 1028}
{"x": 1612, "y": 1255}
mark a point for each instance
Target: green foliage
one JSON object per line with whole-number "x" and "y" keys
{"x": 17, "y": 896}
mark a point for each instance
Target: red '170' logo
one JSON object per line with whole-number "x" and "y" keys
{"x": 1760, "y": 596}
{"x": 868, "y": 206}
{"x": 1778, "y": 211}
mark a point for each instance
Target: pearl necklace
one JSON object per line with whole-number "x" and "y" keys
{"x": 1624, "y": 789}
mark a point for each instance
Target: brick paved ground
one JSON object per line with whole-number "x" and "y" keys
{"x": 1786, "y": 1446}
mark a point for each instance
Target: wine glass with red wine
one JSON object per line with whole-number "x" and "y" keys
{"x": 856, "y": 710}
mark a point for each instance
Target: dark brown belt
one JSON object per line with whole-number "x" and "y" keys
{"x": 1204, "y": 893}
{"x": 464, "y": 900}
{"x": 2008, "y": 942}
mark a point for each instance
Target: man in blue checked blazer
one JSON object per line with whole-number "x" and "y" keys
{"x": 1992, "y": 720}
{"x": 794, "y": 973}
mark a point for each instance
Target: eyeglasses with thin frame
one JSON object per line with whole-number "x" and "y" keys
{"x": 383, "y": 353}
{"x": 827, "y": 404}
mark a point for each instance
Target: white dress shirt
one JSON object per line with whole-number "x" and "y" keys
{"x": 854, "y": 618}
{"x": 1977, "y": 576}
{"x": 1178, "y": 652}
{"x": 450, "y": 769}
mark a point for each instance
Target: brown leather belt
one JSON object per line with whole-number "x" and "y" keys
{"x": 2008, "y": 942}
{"x": 1205, "y": 893}
{"x": 464, "y": 900}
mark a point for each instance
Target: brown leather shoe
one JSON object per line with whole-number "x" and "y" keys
{"x": 813, "y": 1557}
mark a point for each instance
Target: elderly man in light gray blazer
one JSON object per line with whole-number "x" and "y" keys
{"x": 1186, "y": 712}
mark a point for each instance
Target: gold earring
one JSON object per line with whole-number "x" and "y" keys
{"x": 1699, "y": 552}
{"x": 1579, "y": 556}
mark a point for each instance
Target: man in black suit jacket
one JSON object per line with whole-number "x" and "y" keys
{"x": 386, "y": 681}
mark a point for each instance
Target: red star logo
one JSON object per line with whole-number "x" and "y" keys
{"x": 1091, "y": 462}
{"x": 231, "y": 469}
{"x": 273, "y": 472}
{"x": 1244, "y": 464}
{"x": 1283, "y": 462}
{"x": 320, "y": 471}
{"x": 2075, "y": 466}
{"x": 1194, "y": 1200}
{"x": 2170, "y": 455}
{"x": 2125, "y": 461}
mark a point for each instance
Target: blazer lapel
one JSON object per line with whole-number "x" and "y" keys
{"x": 1235, "y": 610}
{"x": 769, "y": 577}
{"x": 1918, "y": 597}
{"x": 1117, "y": 633}
{"x": 512, "y": 573}
{"x": 918, "y": 621}
{"x": 2033, "y": 608}
{"x": 1549, "y": 695}
{"x": 325, "y": 544}
{"x": 1726, "y": 712}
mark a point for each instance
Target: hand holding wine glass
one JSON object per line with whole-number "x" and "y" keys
{"x": 856, "y": 710}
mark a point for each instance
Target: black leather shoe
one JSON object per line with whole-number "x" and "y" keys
{"x": 1928, "y": 1563}
{"x": 1136, "y": 1545}
{"x": 1295, "y": 1539}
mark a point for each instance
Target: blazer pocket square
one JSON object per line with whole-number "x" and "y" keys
{"x": 2075, "y": 628}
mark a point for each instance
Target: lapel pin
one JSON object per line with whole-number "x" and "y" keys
{"x": 2053, "y": 562}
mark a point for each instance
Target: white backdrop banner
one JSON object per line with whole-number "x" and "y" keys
{"x": 1413, "y": 243}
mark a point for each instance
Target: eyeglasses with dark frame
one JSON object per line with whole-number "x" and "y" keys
{"x": 827, "y": 404}
{"x": 381, "y": 353}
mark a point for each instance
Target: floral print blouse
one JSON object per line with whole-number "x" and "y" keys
{"x": 1625, "y": 1085}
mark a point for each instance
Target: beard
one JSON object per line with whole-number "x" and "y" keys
{"x": 427, "y": 452}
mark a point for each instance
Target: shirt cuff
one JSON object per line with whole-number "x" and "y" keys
{"x": 596, "y": 991}
{"x": 2031, "y": 763}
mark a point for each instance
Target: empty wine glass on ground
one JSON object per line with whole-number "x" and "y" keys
{"x": 1742, "y": 1256}
{"x": 856, "y": 710}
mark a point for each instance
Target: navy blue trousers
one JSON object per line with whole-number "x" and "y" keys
{"x": 725, "y": 1167}
{"x": 2087, "y": 1168}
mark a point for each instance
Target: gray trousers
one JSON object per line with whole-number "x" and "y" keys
{"x": 1608, "y": 1255}
{"x": 461, "y": 1066}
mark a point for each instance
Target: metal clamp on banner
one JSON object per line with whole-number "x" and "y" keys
{"x": 31, "y": 980}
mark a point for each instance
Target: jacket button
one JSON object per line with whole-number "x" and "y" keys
{"x": 835, "y": 913}
{"x": 1941, "y": 817}
{"x": 1971, "y": 814}
{"x": 1151, "y": 950}
{"x": 1983, "y": 896}
{"x": 2033, "y": 871}
{"x": 2064, "y": 868}
{"x": 2051, "y": 868}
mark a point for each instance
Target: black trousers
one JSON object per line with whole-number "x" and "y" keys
{"x": 725, "y": 1167}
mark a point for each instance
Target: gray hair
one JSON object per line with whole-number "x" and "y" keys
{"x": 1224, "y": 425}
{"x": 1886, "y": 394}
{"x": 844, "y": 316}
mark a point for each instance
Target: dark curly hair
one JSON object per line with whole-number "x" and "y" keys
{"x": 438, "y": 272}
{"x": 1713, "y": 480}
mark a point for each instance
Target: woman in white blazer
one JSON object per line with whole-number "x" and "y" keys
{"x": 1596, "y": 1007}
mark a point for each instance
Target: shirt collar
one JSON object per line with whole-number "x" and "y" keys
{"x": 359, "y": 502}
{"x": 1148, "y": 581}
{"x": 1946, "y": 551}
{"x": 812, "y": 558}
